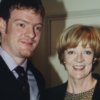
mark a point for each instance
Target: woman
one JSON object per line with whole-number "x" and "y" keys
{"x": 78, "y": 50}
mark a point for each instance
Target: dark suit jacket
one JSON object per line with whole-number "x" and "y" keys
{"x": 58, "y": 92}
{"x": 9, "y": 89}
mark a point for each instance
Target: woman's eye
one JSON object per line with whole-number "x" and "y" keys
{"x": 88, "y": 52}
{"x": 70, "y": 52}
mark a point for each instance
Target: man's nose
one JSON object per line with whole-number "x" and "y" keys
{"x": 31, "y": 33}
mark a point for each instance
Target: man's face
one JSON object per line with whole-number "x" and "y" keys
{"x": 22, "y": 33}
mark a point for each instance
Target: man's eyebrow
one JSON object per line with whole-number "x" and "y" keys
{"x": 21, "y": 20}
{"x": 28, "y": 22}
{"x": 39, "y": 24}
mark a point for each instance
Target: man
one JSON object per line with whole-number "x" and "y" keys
{"x": 21, "y": 22}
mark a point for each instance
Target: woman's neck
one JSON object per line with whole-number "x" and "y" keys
{"x": 82, "y": 85}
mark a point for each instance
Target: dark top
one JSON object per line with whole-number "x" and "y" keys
{"x": 9, "y": 88}
{"x": 59, "y": 92}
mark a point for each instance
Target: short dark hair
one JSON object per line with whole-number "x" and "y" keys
{"x": 6, "y": 6}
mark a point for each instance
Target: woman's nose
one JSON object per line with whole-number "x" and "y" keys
{"x": 79, "y": 57}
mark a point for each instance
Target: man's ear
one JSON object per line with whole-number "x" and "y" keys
{"x": 2, "y": 26}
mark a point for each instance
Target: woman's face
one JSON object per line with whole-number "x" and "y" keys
{"x": 78, "y": 61}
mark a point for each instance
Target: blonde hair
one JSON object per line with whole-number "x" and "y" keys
{"x": 71, "y": 37}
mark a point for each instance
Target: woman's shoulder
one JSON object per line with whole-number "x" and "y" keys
{"x": 56, "y": 93}
{"x": 96, "y": 95}
{"x": 96, "y": 76}
{"x": 58, "y": 88}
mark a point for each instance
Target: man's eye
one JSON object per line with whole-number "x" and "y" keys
{"x": 38, "y": 29}
{"x": 21, "y": 25}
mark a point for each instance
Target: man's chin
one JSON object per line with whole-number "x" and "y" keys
{"x": 26, "y": 54}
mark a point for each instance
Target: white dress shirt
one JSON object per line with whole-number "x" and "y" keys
{"x": 34, "y": 91}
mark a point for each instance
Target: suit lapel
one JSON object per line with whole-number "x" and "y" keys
{"x": 8, "y": 82}
{"x": 37, "y": 75}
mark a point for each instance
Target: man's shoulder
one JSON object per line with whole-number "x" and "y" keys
{"x": 33, "y": 68}
{"x": 36, "y": 72}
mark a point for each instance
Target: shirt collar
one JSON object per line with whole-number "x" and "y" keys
{"x": 10, "y": 61}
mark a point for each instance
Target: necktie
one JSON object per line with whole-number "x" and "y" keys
{"x": 23, "y": 82}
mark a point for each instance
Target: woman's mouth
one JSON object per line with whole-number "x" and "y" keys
{"x": 78, "y": 67}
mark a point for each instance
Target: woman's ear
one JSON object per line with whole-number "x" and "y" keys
{"x": 63, "y": 59}
{"x": 2, "y": 25}
{"x": 94, "y": 60}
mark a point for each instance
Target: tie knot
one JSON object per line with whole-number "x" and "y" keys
{"x": 20, "y": 70}
{"x": 23, "y": 82}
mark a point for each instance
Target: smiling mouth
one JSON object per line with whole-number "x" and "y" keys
{"x": 27, "y": 43}
{"x": 78, "y": 67}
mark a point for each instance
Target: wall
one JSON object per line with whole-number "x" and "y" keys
{"x": 61, "y": 14}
